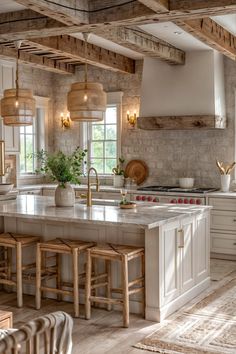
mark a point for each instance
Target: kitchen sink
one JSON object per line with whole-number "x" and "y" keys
{"x": 100, "y": 202}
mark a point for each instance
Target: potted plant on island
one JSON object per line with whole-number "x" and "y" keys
{"x": 118, "y": 172}
{"x": 65, "y": 169}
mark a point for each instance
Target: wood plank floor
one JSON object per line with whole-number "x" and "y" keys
{"x": 102, "y": 334}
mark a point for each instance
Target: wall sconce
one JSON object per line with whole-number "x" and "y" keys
{"x": 132, "y": 119}
{"x": 65, "y": 121}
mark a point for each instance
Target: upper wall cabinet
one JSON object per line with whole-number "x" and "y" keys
{"x": 7, "y": 80}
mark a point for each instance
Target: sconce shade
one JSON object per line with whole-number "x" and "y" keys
{"x": 18, "y": 114}
{"x": 86, "y": 102}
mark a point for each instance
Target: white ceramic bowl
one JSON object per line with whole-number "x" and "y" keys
{"x": 186, "y": 183}
{"x": 5, "y": 188}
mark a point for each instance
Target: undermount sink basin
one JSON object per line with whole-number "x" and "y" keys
{"x": 100, "y": 202}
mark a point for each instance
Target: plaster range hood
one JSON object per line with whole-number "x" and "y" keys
{"x": 190, "y": 96}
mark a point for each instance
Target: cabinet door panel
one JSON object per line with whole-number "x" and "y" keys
{"x": 202, "y": 248}
{"x": 187, "y": 256}
{"x": 171, "y": 263}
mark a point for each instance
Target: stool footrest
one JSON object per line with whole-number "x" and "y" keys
{"x": 136, "y": 290}
{"x": 7, "y": 282}
{"x": 136, "y": 281}
{"x": 95, "y": 286}
{"x": 105, "y": 300}
{"x": 99, "y": 276}
{"x": 58, "y": 291}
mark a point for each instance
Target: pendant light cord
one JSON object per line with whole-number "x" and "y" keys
{"x": 17, "y": 73}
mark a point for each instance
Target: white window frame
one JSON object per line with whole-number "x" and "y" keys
{"x": 41, "y": 130}
{"x": 113, "y": 99}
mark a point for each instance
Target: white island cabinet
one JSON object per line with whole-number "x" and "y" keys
{"x": 176, "y": 240}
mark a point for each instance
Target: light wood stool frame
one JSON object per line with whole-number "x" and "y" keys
{"x": 10, "y": 241}
{"x": 59, "y": 247}
{"x": 108, "y": 253}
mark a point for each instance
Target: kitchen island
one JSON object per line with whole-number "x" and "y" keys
{"x": 176, "y": 240}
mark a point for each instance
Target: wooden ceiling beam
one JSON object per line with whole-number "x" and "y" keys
{"x": 36, "y": 61}
{"x": 75, "y": 48}
{"x": 68, "y": 12}
{"x": 26, "y": 23}
{"x": 211, "y": 33}
{"x": 156, "y": 5}
{"x": 144, "y": 43}
{"x": 203, "y": 8}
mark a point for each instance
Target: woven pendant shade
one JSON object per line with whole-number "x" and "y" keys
{"x": 18, "y": 109}
{"x": 86, "y": 102}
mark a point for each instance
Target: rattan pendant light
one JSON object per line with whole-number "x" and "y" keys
{"x": 86, "y": 101}
{"x": 18, "y": 104}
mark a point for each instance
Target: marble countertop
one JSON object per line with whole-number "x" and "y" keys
{"x": 75, "y": 186}
{"x": 145, "y": 215}
{"x": 230, "y": 194}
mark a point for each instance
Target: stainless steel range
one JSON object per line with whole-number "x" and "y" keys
{"x": 170, "y": 194}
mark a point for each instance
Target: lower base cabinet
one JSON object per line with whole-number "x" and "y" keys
{"x": 184, "y": 256}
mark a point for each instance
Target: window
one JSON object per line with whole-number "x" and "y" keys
{"x": 102, "y": 139}
{"x": 33, "y": 138}
{"x": 28, "y": 145}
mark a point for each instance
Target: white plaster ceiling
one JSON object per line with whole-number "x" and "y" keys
{"x": 9, "y": 5}
{"x": 227, "y": 21}
{"x": 174, "y": 35}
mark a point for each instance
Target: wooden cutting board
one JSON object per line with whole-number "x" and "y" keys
{"x": 137, "y": 170}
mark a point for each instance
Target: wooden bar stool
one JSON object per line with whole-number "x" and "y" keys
{"x": 59, "y": 247}
{"x": 108, "y": 253}
{"x": 18, "y": 242}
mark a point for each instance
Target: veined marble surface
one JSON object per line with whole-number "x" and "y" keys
{"x": 145, "y": 215}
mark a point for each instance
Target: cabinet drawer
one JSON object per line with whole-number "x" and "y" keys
{"x": 223, "y": 220}
{"x": 223, "y": 203}
{"x": 223, "y": 243}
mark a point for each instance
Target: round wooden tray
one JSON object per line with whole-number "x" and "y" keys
{"x": 128, "y": 206}
{"x": 137, "y": 170}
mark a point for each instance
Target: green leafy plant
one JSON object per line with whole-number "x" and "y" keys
{"x": 118, "y": 170}
{"x": 61, "y": 167}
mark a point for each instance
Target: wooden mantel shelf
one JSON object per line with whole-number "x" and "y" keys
{"x": 195, "y": 122}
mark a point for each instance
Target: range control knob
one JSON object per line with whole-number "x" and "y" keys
{"x": 138, "y": 197}
{"x": 155, "y": 200}
{"x": 192, "y": 201}
{"x": 143, "y": 198}
{"x": 149, "y": 199}
{"x": 180, "y": 200}
{"x": 173, "y": 201}
{"x": 198, "y": 201}
{"x": 185, "y": 201}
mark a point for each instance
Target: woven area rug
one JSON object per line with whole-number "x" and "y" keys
{"x": 221, "y": 268}
{"x": 207, "y": 327}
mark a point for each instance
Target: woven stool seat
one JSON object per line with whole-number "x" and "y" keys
{"x": 10, "y": 238}
{"x": 123, "y": 254}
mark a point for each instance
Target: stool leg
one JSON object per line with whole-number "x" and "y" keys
{"x": 58, "y": 262}
{"x": 125, "y": 291}
{"x": 108, "y": 292}
{"x": 75, "y": 281}
{"x": 9, "y": 266}
{"x": 143, "y": 275}
{"x": 38, "y": 278}
{"x": 88, "y": 286}
{"x": 19, "y": 274}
